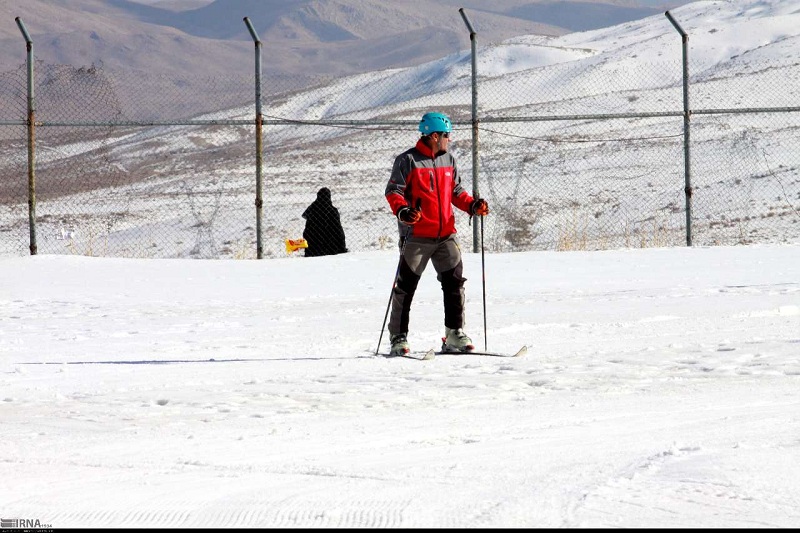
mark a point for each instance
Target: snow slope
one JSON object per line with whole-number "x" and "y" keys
{"x": 661, "y": 389}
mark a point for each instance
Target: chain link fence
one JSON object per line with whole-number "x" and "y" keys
{"x": 575, "y": 155}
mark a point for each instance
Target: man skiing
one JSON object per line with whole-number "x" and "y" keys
{"x": 422, "y": 189}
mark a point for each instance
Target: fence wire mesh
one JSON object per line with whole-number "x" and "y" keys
{"x": 575, "y": 155}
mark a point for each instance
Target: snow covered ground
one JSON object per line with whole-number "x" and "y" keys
{"x": 661, "y": 389}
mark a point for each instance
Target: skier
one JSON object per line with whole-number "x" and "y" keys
{"x": 422, "y": 189}
{"x": 323, "y": 230}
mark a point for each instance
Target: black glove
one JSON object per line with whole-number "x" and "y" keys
{"x": 479, "y": 207}
{"x": 409, "y": 215}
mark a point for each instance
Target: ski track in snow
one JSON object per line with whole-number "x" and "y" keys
{"x": 659, "y": 389}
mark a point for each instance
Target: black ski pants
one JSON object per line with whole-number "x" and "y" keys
{"x": 445, "y": 255}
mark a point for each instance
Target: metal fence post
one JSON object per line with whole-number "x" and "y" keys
{"x": 259, "y": 143}
{"x": 31, "y": 140}
{"x": 475, "y": 191}
{"x": 686, "y": 127}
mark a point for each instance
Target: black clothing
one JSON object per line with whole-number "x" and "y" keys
{"x": 445, "y": 255}
{"x": 323, "y": 232}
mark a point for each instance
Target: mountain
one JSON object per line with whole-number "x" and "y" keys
{"x": 302, "y": 37}
{"x": 581, "y": 16}
{"x": 334, "y": 20}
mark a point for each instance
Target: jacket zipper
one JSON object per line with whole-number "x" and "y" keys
{"x": 438, "y": 199}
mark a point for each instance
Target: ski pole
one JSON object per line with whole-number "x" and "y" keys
{"x": 396, "y": 274}
{"x": 483, "y": 274}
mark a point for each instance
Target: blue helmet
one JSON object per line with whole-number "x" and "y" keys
{"x": 432, "y": 122}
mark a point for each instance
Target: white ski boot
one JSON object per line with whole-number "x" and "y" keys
{"x": 456, "y": 341}
{"x": 399, "y": 345}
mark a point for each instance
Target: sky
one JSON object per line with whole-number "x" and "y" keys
{"x": 661, "y": 388}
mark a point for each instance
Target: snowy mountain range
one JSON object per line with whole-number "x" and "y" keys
{"x": 302, "y": 37}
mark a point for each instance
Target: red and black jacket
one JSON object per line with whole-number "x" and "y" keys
{"x": 420, "y": 177}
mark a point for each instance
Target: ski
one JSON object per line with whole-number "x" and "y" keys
{"x": 522, "y": 351}
{"x": 430, "y": 354}
{"x": 419, "y": 356}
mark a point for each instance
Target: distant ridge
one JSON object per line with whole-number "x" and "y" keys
{"x": 581, "y": 16}
{"x": 305, "y": 37}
